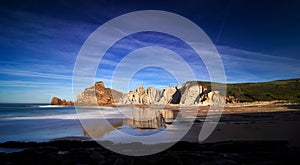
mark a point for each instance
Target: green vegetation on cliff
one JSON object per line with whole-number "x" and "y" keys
{"x": 263, "y": 91}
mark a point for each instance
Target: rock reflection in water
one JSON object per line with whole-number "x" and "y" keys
{"x": 150, "y": 119}
{"x": 140, "y": 120}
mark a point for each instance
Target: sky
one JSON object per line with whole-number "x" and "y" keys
{"x": 40, "y": 41}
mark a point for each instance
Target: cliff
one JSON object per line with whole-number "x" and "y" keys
{"x": 262, "y": 91}
{"x": 190, "y": 93}
{"x": 98, "y": 94}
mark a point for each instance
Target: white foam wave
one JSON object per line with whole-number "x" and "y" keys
{"x": 91, "y": 114}
{"x": 50, "y": 106}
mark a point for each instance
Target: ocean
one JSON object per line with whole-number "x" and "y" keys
{"x": 43, "y": 122}
{"x": 37, "y": 122}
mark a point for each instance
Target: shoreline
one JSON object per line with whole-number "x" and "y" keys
{"x": 256, "y": 133}
{"x": 259, "y": 106}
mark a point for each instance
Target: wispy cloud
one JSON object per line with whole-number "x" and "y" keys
{"x": 242, "y": 65}
{"x": 27, "y": 84}
{"x": 23, "y": 73}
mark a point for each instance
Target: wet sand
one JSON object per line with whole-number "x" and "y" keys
{"x": 254, "y": 126}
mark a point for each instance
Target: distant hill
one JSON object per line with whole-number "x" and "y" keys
{"x": 263, "y": 91}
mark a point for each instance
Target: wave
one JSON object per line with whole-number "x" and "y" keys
{"x": 91, "y": 114}
{"x": 50, "y": 106}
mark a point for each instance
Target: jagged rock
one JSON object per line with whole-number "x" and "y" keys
{"x": 58, "y": 101}
{"x": 98, "y": 94}
{"x": 190, "y": 93}
{"x": 141, "y": 96}
{"x": 154, "y": 94}
{"x": 231, "y": 99}
{"x": 167, "y": 95}
{"x": 193, "y": 93}
{"x": 214, "y": 97}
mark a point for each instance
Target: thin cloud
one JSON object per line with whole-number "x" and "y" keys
{"x": 242, "y": 65}
{"x": 24, "y": 73}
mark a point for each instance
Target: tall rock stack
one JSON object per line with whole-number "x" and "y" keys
{"x": 98, "y": 94}
{"x": 58, "y": 101}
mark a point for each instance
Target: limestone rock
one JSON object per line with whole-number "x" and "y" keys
{"x": 167, "y": 95}
{"x": 214, "y": 97}
{"x": 154, "y": 94}
{"x": 142, "y": 96}
{"x": 231, "y": 99}
{"x": 193, "y": 93}
{"x": 190, "y": 93}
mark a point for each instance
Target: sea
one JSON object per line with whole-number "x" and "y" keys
{"x": 37, "y": 122}
{"x": 44, "y": 122}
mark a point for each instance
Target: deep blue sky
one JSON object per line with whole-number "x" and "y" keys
{"x": 39, "y": 41}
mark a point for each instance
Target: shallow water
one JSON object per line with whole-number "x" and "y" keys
{"x": 42, "y": 122}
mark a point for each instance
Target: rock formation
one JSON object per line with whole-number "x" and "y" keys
{"x": 193, "y": 93}
{"x": 142, "y": 96}
{"x": 58, "y": 101}
{"x": 190, "y": 93}
{"x": 167, "y": 95}
{"x": 232, "y": 99}
{"x": 214, "y": 97}
{"x": 98, "y": 94}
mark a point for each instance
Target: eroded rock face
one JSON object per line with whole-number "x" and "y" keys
{"x": 193, "y": 93}
{"x": 98, "y": 94}
{"x": 190, "y": 93}
{"x": 232, "y": 99}
{"x": 167, "y": 95}
{"x": 142, "y": 96}
{"x": 58, "y": 101}
{"x": 214, "y": 97}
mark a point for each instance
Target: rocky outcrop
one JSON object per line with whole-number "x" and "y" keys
{"x": 58, "y": 101}
{"x": 193, "y": 94}
{"x": 214, "y": 97}
{"x": 167, "y": 95}
{"x": 142, "y": 96}
{"x": 190, "y": 93}
{"x": 232, "y": 99}
{"x": 98, "y": 94}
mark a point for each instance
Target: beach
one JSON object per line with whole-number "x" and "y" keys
{"x": 255, "y": 133}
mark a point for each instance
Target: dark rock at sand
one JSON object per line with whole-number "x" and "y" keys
{"x": 89, "y": 152}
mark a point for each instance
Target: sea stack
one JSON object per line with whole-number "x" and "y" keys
{"x": 98, "y": 94}
{"x": 58, "y": 101}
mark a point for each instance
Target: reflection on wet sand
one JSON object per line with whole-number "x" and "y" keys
{"x": 139, "y": 120}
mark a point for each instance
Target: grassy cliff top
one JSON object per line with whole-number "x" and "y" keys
{"x": 263, "y": 91}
